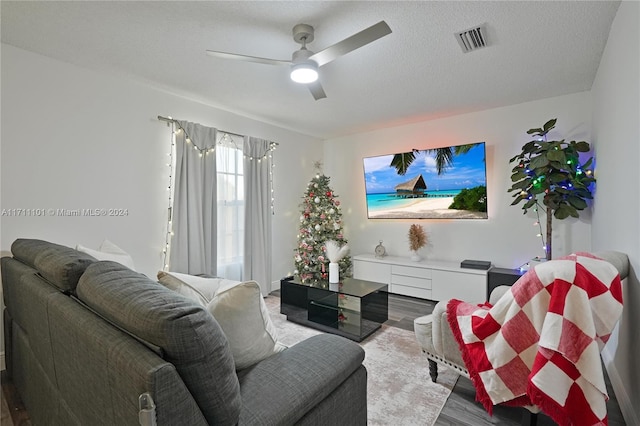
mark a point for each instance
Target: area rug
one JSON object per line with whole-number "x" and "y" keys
{"x": 399, "y": 389}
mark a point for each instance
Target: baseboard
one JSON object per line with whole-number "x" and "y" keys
{"x": 624, "y": 399}
{"x": 2, "y": 364}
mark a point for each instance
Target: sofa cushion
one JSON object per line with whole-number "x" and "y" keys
{"x": 284, "y": 387}
{"x": 200, "y": 289}
{"x": 241, "y": 312}
{"x": 109, "y": 251}
{"x": 189, "y": 336}
{"x": 61, "y": 266}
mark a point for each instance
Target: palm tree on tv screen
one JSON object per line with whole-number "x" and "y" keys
{"x": 443, "y": 157}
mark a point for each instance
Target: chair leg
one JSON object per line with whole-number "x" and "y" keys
{"x": 529, "y": 418}
{"x": 433, "y": 370}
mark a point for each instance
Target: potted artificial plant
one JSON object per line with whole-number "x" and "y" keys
{"x": 417, "y": 240}
{"x": 549, "y": 174}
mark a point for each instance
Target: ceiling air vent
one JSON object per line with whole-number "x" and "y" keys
{"x": 472, "y": 39}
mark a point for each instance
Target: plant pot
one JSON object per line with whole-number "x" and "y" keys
{"x": 415, "y": 257}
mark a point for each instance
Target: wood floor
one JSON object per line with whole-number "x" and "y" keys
{"x": 459, "y": 410}
{"x": 13, "y": 411}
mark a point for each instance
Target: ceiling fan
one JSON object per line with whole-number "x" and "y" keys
{"x": 305, "y": 63}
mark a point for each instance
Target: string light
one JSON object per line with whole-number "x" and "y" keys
{"x": 177, "y": 129}
{"x": 540, "y": 234}
{"x": 167, "y": 243}
{"x": 273, "y": 199}
{"x": 537, "y": 222}
{"x": 268, "y": 156}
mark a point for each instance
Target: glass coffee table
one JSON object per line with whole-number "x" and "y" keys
{"x": 352, "y": 308}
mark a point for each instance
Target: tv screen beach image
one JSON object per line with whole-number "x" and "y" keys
{"x": 435, "y": 183}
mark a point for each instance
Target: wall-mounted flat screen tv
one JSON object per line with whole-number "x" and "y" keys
{"x": 434, "y": 183}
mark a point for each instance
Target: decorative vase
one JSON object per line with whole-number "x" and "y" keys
{"x": 334, "y": 273}
{"x": 415, "y": 257}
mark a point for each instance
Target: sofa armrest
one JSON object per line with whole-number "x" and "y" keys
{"x": 497, "y": 293}
{"x": 284, "y": 387}
{"x": 439, "y": 320}
{"x": 619, "y": 260}
{"x": 443, "y": 341}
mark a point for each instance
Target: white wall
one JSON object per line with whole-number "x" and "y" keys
{"x": 616, "y": 222}
{"x": 76, "y": 138}
{"x": 507, "y": 238}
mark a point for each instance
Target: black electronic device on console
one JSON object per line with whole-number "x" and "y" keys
{"x": 475, "y": 264}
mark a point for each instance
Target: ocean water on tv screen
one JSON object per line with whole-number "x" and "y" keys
{"x": 376, "y": 202}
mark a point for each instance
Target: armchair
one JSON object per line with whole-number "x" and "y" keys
{"x": 437, "y": 340}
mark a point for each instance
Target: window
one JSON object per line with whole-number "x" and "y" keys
{"x": 229, "y": 164}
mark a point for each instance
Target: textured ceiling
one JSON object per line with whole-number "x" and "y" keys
{"x": 536, "y": 50}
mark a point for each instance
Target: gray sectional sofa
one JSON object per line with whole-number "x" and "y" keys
{"x": 85, "y": 339}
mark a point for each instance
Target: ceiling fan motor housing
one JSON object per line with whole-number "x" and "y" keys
{"x": 303, "y": 33}
{"x": 301, "y": 55}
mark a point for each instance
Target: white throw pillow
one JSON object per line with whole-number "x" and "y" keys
{"x": 109, "y": 251}
{"x": 199, "y": 289}
{"x": 243, "y": 316}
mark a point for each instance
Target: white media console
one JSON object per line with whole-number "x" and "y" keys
{"x": 427, "y": 279}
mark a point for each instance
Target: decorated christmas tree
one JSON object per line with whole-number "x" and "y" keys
{"x": 320, "y": 221}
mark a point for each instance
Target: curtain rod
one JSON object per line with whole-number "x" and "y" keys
{"x": 173, "y": 120}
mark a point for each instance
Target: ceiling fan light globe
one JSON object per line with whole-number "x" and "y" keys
{"x": 304, "y": 73}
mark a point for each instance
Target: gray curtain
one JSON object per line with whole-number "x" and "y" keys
{"x": 257, "y": 216}
{"x": 193, "y": 244}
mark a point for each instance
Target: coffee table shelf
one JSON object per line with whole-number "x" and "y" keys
{"x": 353, "y": 308}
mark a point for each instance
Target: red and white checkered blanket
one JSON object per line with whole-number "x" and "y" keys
{"x": 540, "y": 344}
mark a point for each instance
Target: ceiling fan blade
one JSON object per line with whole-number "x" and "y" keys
{"x": 247, "y": 58}
{"x": 316, "y": 90}
{"x": 354, "y": 42}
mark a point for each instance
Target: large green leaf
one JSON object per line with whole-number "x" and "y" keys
{"x": 529, "y": 147}
{"x": 556, "y": 155}
{"x": 582, "y": 146}
{"x": 521, "y": 184}
{"x": 532, "y": 131}
{"x": 557, "y": 177}
{"x": 564, "y": 211}
{"x": 538, "y": 190}
{"x": 518, "y": 174}
{"x": 588, "y": 163}
{"x": 550, "y": 124}
{"x": 539, "y": 162}
{"x": 529, "y": 204}
{"x": 577, "y": 202}
{"x": 545, "y": 146}
{"x": 587, "y": 196}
